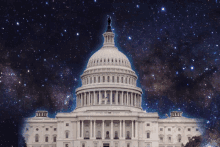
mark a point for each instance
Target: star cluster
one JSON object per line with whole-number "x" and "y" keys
{"x": 45, "y": 46}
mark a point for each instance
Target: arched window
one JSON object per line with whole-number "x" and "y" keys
{"x": 90, "y": 80}
{"x": 113, "y": 97}
{"x": 121, "y": 79}
{"x": 46, "y": 139}
{"x": 108, "y": 79}
{"x": 129, "y": 81}
{"x": 179, "y": 138}
{"x": 108, "y": 60}
{"x": 87, "y": 80}
{"x": 103, "y": 79}
{"x": 36, "y": 138}
{"x": 113, "y": 79}
{"x": 117, "y": 79}
{"x": 98, "y": 79}
{"x": 161, "y": 138}
{"x": 126, "y": 80}
{"x": 148, "y": 134}
{"x": 54, "y": 139}
{"x": 67, "y": 134}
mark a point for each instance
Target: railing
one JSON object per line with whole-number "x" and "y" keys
{"x": 116, "y": 138}
{"x": 86, "y": 137}
{"x": 128, "y": 137}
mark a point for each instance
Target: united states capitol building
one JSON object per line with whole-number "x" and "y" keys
{"x": 108, "y": 111}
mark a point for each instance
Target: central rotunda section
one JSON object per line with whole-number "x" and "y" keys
{"x": 108, "y": 79}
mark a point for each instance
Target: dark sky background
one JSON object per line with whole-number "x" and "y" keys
{"x": 45, "y": 46}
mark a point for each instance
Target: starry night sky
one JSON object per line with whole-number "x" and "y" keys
{"x": 173, "y": 47}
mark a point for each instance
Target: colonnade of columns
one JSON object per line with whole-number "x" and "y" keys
{"x": 114, "y": 97}
{"x": 93, "y": 133}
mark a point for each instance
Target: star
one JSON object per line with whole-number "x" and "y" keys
{"x": 163, "y": 9}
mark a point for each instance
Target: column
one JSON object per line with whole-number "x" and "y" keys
{"x": 94, "y": 129}
{"x": 94, "y": 99}
{"x": 120, "y": 130}
{"x": 84, "y": 101}
{"x": 140, "y": 100}
{"x": 122, "y": 97}
{"x": 82, "y": 130}
{"x": 116, "y": 98}
{"x": 78, "y": 129}
{"x": 111, "y": 97}
{"x": 132, "y": 129}
{"x": 136, "y": 129}
{"x": 90, "y": 129}
{"x": 127, "y": 99}
{"x": 99, "y": 97}
{"x": 123, "y": 129}
{"x": 111, "y": 129}
{"x": 132, "y": 99}
{"x": 89, "y": 98}
{"x": 103, "y": 137}
{"x": 135, "y": 100}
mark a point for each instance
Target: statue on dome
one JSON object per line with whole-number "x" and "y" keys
{"x": 109, "y": 20}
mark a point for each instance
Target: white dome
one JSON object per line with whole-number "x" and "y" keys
{"x": 108, "y": 56}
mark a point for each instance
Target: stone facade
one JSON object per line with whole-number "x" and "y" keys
{"x": 108, "y": 111}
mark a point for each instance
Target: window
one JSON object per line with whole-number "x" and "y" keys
{"x": 46, "y": 139}
{"x": 127, "y": 124}
{"x": 47, "y": 129}
{"x": 99, "y": 80}
{"x": 126, "y": 80}
{"x": 36, "y": 138}
{"x": 117, "y": 79}
{"x": 90, "y": 80}
{"x": 37, "y": 129}
{"x": 55, "y": 129}
{"x": 197, "y": 129}
{"x": 103, "y": 79}
{"x": 161, "y": 129}
{"x": 161, "y": 139}
{"x": 148, "y": 124}
{"x": 189, "y": 129}
{"x": 148, "y": 145}
{"x": 189, "y": 138}
{"x": 179, "y": 138}
{"x": 128, "y": 134}
{"x": 94, "y": 79}
{"x": 148, "y": 135}
{"x": 129, "y": 81}
{"x": 67, "y": 124}
{"x": 121, "y": 79}
{"x": 113, "y": 79}
{"x": 54, "y": 139}
{"x": 179, "y": 129}
{"x": 169, "y": 129}
{"x": 169, "y": 138}
{"x": 26, "y": 129}
{"x": 67, "y": 135}
{"x": 128, "y": 145}
{"x": 99, "y": 134}
{"x": 66, "y": 145}
{"x": 107, "y": 134}
{"x": 116, "y": 134}
{"x": 108, "y": 79}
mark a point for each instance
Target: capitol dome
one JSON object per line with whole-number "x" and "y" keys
{"x": 108, "y": 79}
